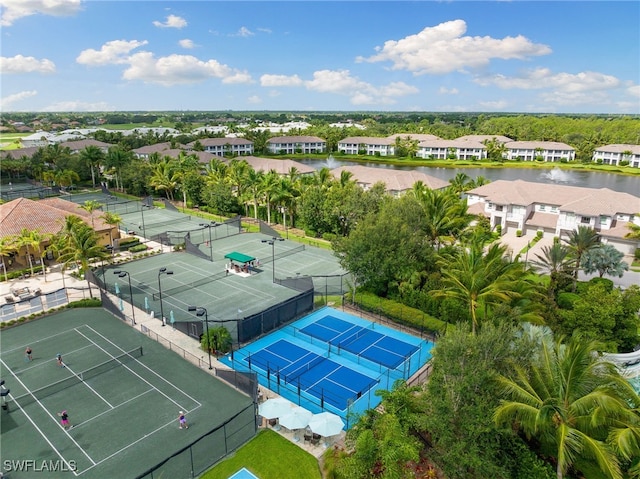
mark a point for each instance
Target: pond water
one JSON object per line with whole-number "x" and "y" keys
{"x": 588, "y": 179}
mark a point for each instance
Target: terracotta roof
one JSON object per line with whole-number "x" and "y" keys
{"x": 282, "y": 167}
{"x": 395, "y": 180}
{"x": 618, "y": 230}
{"x": 481, "y": 138}
{"x": 477, "y": 209}
{"x": 544, "y": 220}
{"x": 585, "y": 201}
{"x": 532, "y": 145}
{"x": 296, "y": 139}
{"x": 619, "y": 148}
{"x": 45, "y": 215}
{"x": 367, "y": 140}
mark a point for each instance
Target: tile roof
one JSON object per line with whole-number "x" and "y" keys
{"x": 619, "y": 148}
{"x": 282, "y": 167}
{"x": 481, "y": 138}
{"x": 45, "y": 215}
{"x": 395, "y": 180}
{"x": 414, "y": 136}
{"x": 366, "y": 140}
{"x": 532, "y": 145}
{"x": 585, "y": 201}
{"x": 544, "y": 220}
{"x": 296, "y": 139}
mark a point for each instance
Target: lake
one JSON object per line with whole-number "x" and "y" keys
{"x": 588, "y": 179}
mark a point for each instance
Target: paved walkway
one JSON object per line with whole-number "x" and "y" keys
{"x": 187, "y": 347}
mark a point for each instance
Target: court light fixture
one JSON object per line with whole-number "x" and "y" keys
{"x": 200, "y": 311}
{"x": 162, "y": 271}
{"x": 121, "y": 274}
{"x": 272, "y": 242}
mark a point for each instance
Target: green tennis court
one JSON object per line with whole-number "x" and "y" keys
{"x": 122, "y": 392}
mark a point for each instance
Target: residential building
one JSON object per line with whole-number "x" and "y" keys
{"x": 225, "y": 146}
{"x": 615, "y": 153}
{"x": 289, "y": 145}
{"x": 453, "y": 149}
{"x": 281, "y": 167}
{"x": 369, "y": 145}
{"x": 396, "y": 182}
{"x": 76, "y": 146}
{"x": 558, "y": 209}
{"x": 483, "y": 138}
{"x": 549, "y": 151}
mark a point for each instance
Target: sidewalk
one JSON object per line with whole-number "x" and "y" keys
{"x": 184, "y": 346}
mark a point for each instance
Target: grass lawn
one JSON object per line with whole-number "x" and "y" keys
{"x": 268, "y": 456}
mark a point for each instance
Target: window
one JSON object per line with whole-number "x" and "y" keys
{"x": 603, "y": 220}
{"x": 542, "y": 208}
{"x": 585, "y": 220}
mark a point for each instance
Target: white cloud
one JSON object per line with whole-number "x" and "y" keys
{"x": 361, "y": 93}
{"x": 79, "y": 106}
{"x": 173, "y": 21}
{"x": 13, "y": 10}
{"x": 559, "y": 97}
{"x": 541, "y": 78}
{"x": 280, "y": 80}
{"x": 448, "y": 91}
{"x": 113, "y": 52}
{"x": 444, "y": 49}
{"x": 494, "y": 105}
{"x": 187, "y": 43}
{"x": 634, "y": 90}
{"x": 179, "y": 69}
{"x": 22, "y": 64}
{"x": 254, "y": 100}
{"x": 243, "y": 32}
{"x": 7, "y": 102}
{"x": 264, "y": 30}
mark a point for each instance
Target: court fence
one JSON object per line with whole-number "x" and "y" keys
{"x": 208, "y": 449}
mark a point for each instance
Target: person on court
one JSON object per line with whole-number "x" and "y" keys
{"x": 182, "y": 420}
{"x": 28, "y": 354}
{"x": 64, "y": 420}
{"x": 59, "y": 360}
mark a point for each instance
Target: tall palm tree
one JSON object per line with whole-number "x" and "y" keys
{"x": 79, "y": 245}
{"x": 580, "y": 241}
{"x": 446, "y": 215}
{"x": 478, "y": 279}
{"x": 635, "y": 230}
{"x": 90, "y": 206}
{"x": 7, "y": 247}
{"x": 253, "y": 189}
{"x": 268, "y": 186}
{"x": 112, "y": 219}
{"x": 460, "y": 183}
{"x": 567, "y": 398}
{"x": 556, "y": 260}
{"x": 33, "y": 241}
{"x": 164, "y": 177}
{"x": 92, "y": 156}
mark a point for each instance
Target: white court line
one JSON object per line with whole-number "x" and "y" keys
{"x": 128, "y": 446}
{"x": 40, "y": 364}
{"x": 48, "y": 413}
{"x": 7, "y": 351}
{"x": 146, "y": 367}
{"x": 87, "y": 384}
{"x": 76, "y": 425}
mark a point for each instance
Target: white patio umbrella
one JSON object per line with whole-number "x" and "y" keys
{"x": 297, "y": 418}
{"x": 274, "y": 408}
{"x": 326, "y": 424}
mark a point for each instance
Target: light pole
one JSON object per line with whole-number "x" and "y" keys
{"x": 200, "y": 311}
{"x": 162, "y": 271}
{"x": 144, "y": 231}
{"x": 272, "y": 242}
{"x": 283, "y": 210}
{"x": 209, "y": 226}
{"x": 122, "y": 274}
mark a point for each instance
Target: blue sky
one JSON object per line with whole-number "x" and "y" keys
{"x": 556, "y": 57}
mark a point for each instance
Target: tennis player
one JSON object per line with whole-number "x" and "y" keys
{"x": 64, "y": 419}
{"x": 182, "y": 420}
{"x": 59, "y": 360}
{"x": 28, "y": 354}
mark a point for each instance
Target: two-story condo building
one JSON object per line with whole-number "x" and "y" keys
{"x": 288, "y": 145}
{"x": 454, "y": 149}
{"x": 549, "y": 151}
{"x": 615, "y": 153}
{"x": 396, "y": 182}
{"x": 558, "y": 209}
{"x": 369, "y": 145}
{"x": 225, "y": 146}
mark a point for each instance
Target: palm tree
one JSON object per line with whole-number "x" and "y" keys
{"x": 478, "y": 279}
{"x": 7, "y": 247}
{"x": 32, "y": 241}
{"x": 268, "y": 186}
{"x": 93, "y": 156}
{"x": 580, "y": 241}
{"x": 605, "y": 259}
{"x": 90, "y": 206}
{"x": 567, "y": 398}
{"x": 79, "y": 245}
{"x": 164, "y": 177}
{"x": 445, "y": 212}
{"x": 635, "y": 230}
{"x": 112, "y": 219}
{"x": 460, "y": 183}
{"x": 253, "y": 188}
{"x": 558, "y": 262}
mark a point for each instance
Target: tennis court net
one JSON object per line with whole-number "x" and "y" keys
{"x": 284, "y": 253}
{"x": 77, "y": 378}
{"x": 187, "y": 286}
{"x": 303, "y": 369}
